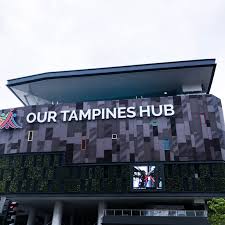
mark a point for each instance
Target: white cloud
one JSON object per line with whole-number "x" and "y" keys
{"x": 38, "y": 36}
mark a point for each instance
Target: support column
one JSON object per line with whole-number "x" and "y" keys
{"x": 31, "y": 217}
{"x": 57, "y": 213}
{"x": 71, "y": 219}
{"x": 46, "y": 219}
{"x": 101, "y": 207}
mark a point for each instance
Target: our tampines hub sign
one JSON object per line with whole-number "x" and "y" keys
{"x": 103, "y": 113}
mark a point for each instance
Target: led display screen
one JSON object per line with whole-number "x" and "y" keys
{"x": 147, "y": 177}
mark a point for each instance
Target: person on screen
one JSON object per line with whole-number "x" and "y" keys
{"x": 142, "y": 180}
{"x": 151, "y": 180}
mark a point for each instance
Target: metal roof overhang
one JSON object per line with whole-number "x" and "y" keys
{"x": 114, "y": 82}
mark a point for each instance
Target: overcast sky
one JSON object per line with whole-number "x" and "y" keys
{"x": 39, "y": 36}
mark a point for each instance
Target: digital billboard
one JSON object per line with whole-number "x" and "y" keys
{"x": 147, "y": 177}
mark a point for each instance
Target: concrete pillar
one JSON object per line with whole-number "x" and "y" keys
{"x": 101, "y": 207}
{"x": 57, "y": 213}
{"x": 31, "y": 217}
{"x": 71, "y": 219}
{"x": 46, "y": 219}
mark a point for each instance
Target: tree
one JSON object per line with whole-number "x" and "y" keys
{"x": 216, "y": 211}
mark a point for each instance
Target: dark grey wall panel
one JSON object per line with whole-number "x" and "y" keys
{"x": 195, "y": 132}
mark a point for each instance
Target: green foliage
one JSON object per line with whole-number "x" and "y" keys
{"x": 217, "y": 211}
{"x": 45, "y": 173}
{"x": 181, "y": 177}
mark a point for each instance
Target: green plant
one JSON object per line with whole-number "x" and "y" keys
{"x": 216, "y": 211}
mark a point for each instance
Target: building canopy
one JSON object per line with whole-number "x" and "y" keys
{"x": 159, "y": 79}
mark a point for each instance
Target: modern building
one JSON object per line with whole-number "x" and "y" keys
{"x": 142, "y": 144}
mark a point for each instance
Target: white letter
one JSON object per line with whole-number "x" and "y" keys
{"x": 95, "y": 113}
{"x": 73, "y": 115}
{"x": 52, "y": 116}
{"x": 31, "y": 120}
{"x": 145, "y": 111}
{"x": 168, "y": 110}
{"x": 122, "y": 112}
{"x": 131, "y": 112}
{"x": 160, "y": 110}
{"x": 64, "y": 112}
{"x": 84, "y": 115}
{"x": 103, "y": 113}
{"x": 110, "y": 113}
{"x": 39, "y": 117}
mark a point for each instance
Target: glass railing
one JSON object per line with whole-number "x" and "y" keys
{"x": 152, "y": 212}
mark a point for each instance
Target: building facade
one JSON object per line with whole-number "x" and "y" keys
{"x": 126, "y": 145}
